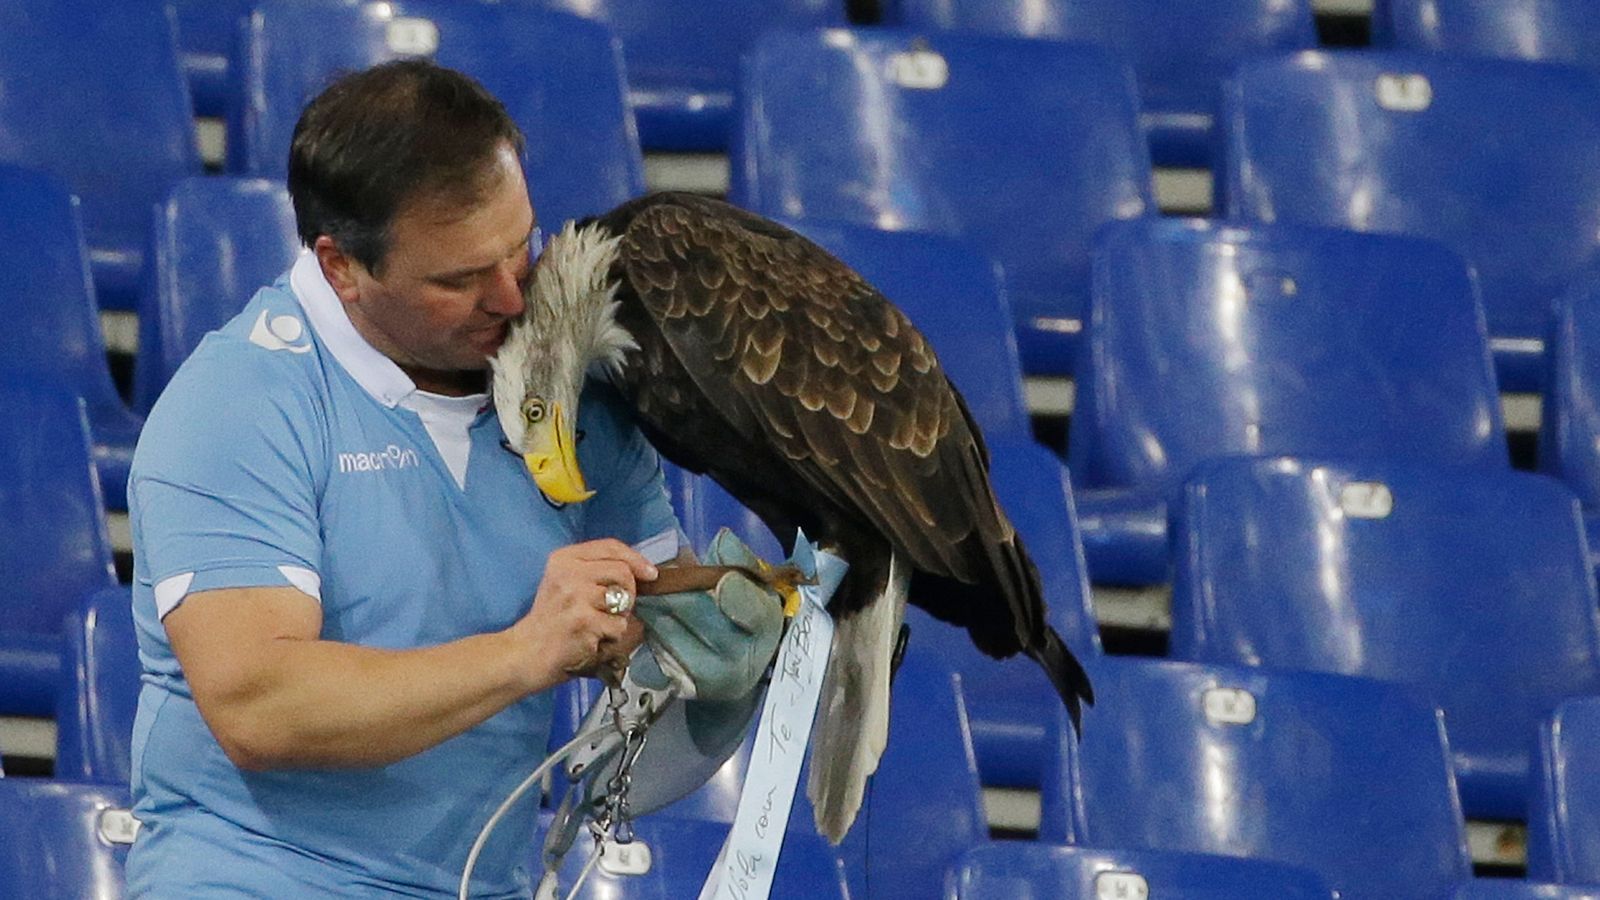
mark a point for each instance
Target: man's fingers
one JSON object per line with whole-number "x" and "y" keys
{"x": 612, "y": 549}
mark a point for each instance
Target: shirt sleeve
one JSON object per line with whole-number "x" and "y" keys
{"x": 631, "y": 502}
{"x": 222, "y": 492}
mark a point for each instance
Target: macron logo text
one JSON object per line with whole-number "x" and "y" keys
{"x": 391, "y": 457}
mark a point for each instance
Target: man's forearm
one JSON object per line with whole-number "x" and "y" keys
{"x": 324, "y": 704}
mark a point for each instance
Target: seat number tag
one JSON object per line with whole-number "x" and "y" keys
{"x": 1410, "y": 93}
{"x": 412, "y": 37}
{"x": 118, "y": 826}
{"x": 1120, "y": 886}
{"x": 1366, "y": 500}
{"x": 919, "y": 70}
{"x": 1230, "y": 706}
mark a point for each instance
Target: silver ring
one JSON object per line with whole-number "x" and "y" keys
{"x": 618, "y": 600}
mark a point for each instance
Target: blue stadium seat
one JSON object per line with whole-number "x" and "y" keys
{"x": 1474, "y": 588}
{"x": 682, "y": 852}
{"x": 93, "y": 92}
{"x": 54, "y": 332}
{"x": 1372, "y": 141}
{"x": 54, "y": 547}
{"x": 1182, "y": 51}
{"x": 923, "y": 809}
{"x": 1209, "y": 339}
{"x": 559, "y": 76}
{"x": 1554, "y": 30}
{"x": 1507, "y": 889}
{"x": 100, "y": 690}
{"x": 1022, "y": 147}
{"x": 955, "y": 295}
{"x": 1569, "y": 424}
{"x": 207, "y": 31}
{"x": 1564, "y": 818}
{"x": 683, "y": 58}
{"x": 1013, "y": 869}
{"x": 216, "y": 241}
{"x": 1345, "y": 776}
{"x": 63, "y": 841}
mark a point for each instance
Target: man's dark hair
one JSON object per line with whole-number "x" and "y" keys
{"x": 382, "y": 137}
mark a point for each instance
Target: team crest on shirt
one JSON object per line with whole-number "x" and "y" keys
{"x": 279, "y": 333}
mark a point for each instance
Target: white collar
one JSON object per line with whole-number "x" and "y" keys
{"x": 376, "y": 373}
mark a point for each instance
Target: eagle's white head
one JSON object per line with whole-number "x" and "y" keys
{"x": 568, "y": 331}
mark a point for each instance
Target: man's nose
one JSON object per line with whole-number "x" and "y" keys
{"x": 503, "y": 294}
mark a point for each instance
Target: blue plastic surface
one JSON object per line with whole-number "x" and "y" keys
{"x": 54, "y": 547}
{"x": 215, "y": 242}
{"x": 52, "y": 846}
{"x": 1022, "y": 147}
{"x": 100, "y": 669}
{"x": 683, "y": 58}
{"x": 1569, "y": 424}
{"x": 207, "y": 30}
{"x": 1555, "y": 30}
{"x": 1015, "y": 870}
{"x": 1209, "y": 339}
{"x": 53, "y": 322}
{"x": 1180, "y": 49}
{"x": 559, "y": 76}
{"x": 93, "y": 92}
{"x": 1373, "y": 141}
{"x": 1345, "y": 776}
{"x": 923, "y": 808}
{"x": 1472, "y": 587}
{"x": 1507, "y": 889}
{"x": 955, "y": 295}
{"x": 1564, "y": 818}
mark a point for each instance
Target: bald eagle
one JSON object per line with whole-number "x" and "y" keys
{"x": 751, "y": 355}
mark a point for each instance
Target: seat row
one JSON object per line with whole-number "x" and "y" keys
{"x": 1327, "y": 782}
{"x": 1022, "y": 146}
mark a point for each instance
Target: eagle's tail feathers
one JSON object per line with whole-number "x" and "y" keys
{"x": 853, "y": 719}
{"x": 1065, "y": 673}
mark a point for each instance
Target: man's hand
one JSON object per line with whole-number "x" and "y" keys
{"x": 569, "y": 631}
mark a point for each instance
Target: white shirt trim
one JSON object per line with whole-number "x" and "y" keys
{"x": 376, "y": 373}
{"x": 171, "y": 591}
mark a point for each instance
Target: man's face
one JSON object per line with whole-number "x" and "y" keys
{"x": 451, "y": 281}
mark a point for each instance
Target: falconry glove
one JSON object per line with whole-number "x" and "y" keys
{"x": 712, "y": 645}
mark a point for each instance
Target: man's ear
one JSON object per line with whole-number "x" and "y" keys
{"x": 339, "y": 268}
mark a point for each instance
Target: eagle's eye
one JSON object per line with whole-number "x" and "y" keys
{"x": 533, "y": 410}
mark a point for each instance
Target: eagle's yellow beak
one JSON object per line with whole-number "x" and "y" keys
{"x": 552, "y": 458}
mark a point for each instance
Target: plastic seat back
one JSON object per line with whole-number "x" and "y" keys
{"x": 1564, "y": 819}
{"x": 1013, "y": 869}
{"x": 1345, "y": 776}
{"x": 559, "y": 76}
{"x": 1372, "y": 141}
{"x": 1182, "y": 51}
{"x": 683, "y": 58}
{"x": 54, "y": 546}
{"x": 217, "y": 240}
{"x": 1506, "y": 889}
{"x": 94, "y": 721}
{"x": 1569, "y": 429}
{"x": 48, "y": 299}
{"x": 207, "y": 32}
{"x": 63, "y": 841}
{"x": 1209, "y": 340}
{"x": 1024, "y": 148}
{"x": 93, "y": 93}
{"x": 1465, "y": 585}
{"x": 1555, "y": 30}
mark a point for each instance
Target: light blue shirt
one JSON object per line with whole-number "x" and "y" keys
{"x": 287, "y": 451}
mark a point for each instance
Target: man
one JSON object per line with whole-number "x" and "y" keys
{"x": 334, "y": 556}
